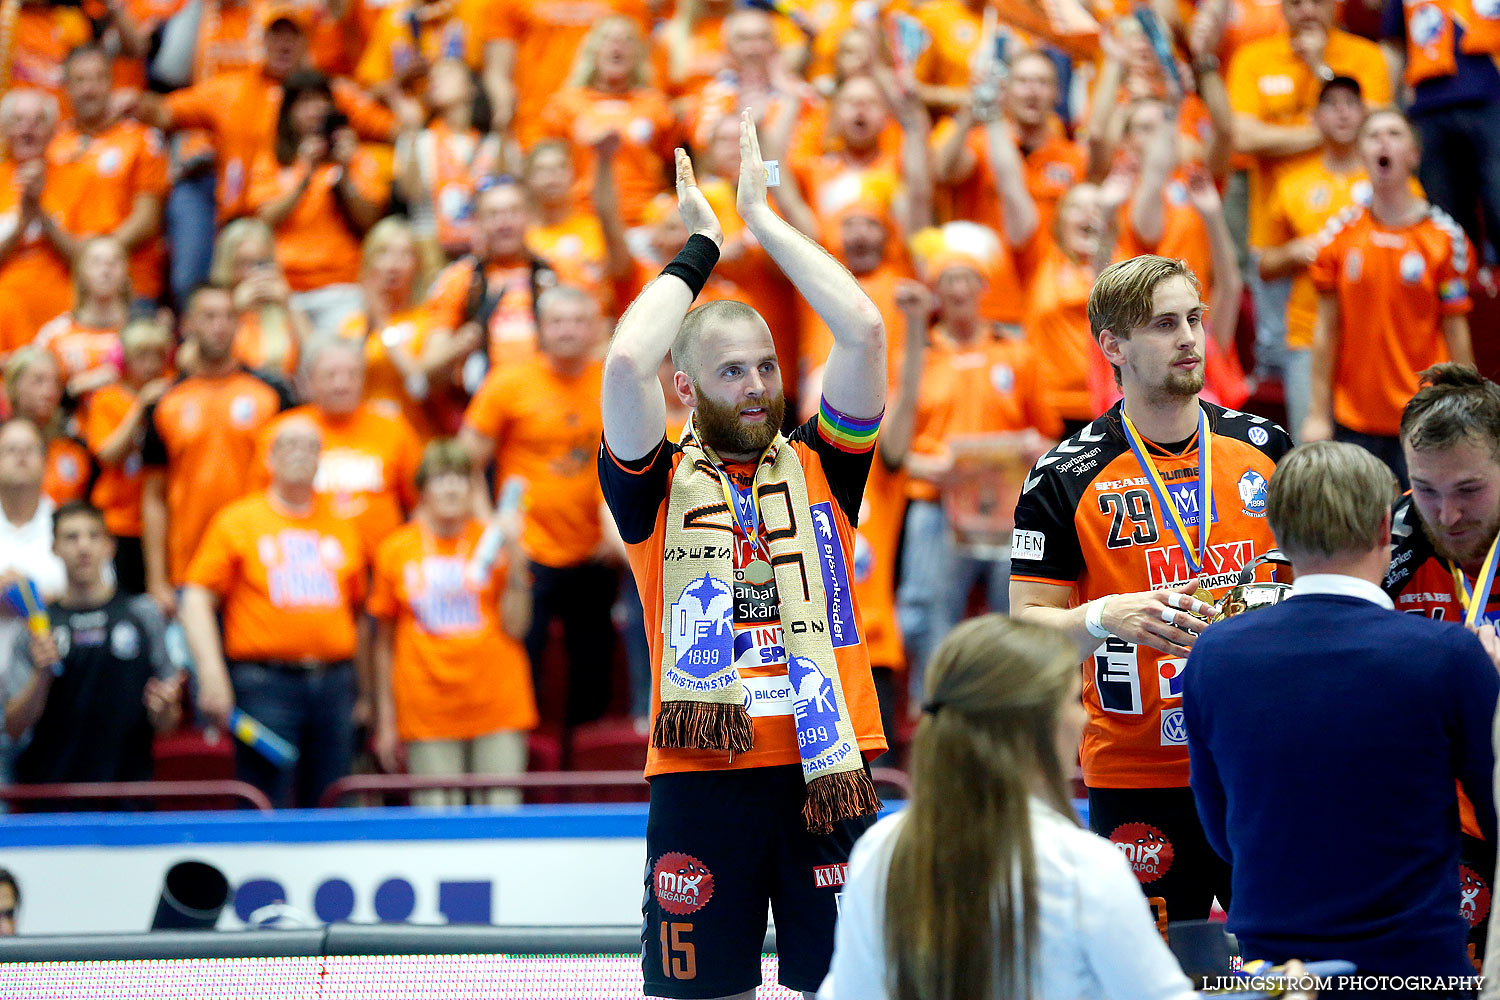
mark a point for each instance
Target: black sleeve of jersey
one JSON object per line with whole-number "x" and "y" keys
{"x": 153, "y": 447}
{"x": 634, "y": 491}
{"x": 1045, "y": 543}
{"x": 1409, "y": 547}
{"x": 847, "y": 471}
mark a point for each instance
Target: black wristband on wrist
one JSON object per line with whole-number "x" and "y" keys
{"x": 694, "y": 262}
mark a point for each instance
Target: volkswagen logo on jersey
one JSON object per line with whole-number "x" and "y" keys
{"x": 1426, "y": 24}
{"x": 702, "y": 634}
{"x": 814, "y": 707}
{"x": 1413, "y": 266}
{"x": 1252, "y": 488}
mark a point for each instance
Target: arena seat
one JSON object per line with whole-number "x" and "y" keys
{"x": 608, "y": 745}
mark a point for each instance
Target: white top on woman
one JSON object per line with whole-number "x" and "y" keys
{"x": 1096, "y": 936}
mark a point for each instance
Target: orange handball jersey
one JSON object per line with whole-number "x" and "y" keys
{"x": 79, "y": 349}
{"x": 1268, "y": 81}
{"x": 1394, "y": 287}
{"x": 546, "y": 427}
{"x": 575, "y": 249}
{"x": 647, "y": 130}
{"x": 69, "y": 470}
{"x": 35, "y": 284}
{"x": 1088, "y": 519}
{"x": 1420, "y": 582}
{"x": 291, "y": 584}
{"x": 203, "y": 434}
{"x": 456, "y": 675}
{"x": 106, "y": 173}
{"x": 315, "y": 244}
{"x": 400, "y": 35}
{"x": 1057, "y": 327}
{"x": 637, "y": 493}
{"x": 117, "y": 490}
{"x": 366, "y": 471}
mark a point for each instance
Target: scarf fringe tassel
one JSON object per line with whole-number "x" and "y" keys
{"x": 837, "y": 796}
{"x": 701, "y": 725}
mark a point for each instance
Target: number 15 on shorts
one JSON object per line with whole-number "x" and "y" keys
{"x": 679, "y": 959}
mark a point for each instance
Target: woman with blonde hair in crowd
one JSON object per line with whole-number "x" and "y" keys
{"x": 985, "y": 886}
{"x": 610, "y": 91}
{"x": 393, "y": 325}
{"x": 271, "y": 329}
{"x": 451, "y": 596}
{"x": 439, "y": 166}
{"x": 34, "y": 390}
{"x": 86, "y": 340}
{"x": 112, "y": 423}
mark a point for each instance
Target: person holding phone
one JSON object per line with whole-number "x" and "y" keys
{"x": 320, "y": 193}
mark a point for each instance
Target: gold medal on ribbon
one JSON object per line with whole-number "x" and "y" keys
{"x": 758, "y": 572}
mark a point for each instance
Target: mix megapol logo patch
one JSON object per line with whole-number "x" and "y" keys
{"x": 1473, "y": 895}
{"x": 682, "y": 883}
{"x": 1146, "y": 848}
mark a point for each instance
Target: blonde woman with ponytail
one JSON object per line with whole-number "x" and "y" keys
{"x": 985, "y": 886}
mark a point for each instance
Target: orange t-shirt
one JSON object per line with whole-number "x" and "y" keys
{"x": 638, "y": 498}
{"x": 1051, "y": 169}
{"x": 366, "y": 471}
{"x": 1088, "y": 520}
{"x": 238, "y": 110}
{"x": 117, "y": 491}
{"x": 42, "y": 37}
{"x": 455, "y": 674}
{"x": 203, "y": 433}
{"x": 574, "y": 248}
{"x": 451, "y": 165}
{"x": 106, "y": 173}
{"x": 547, "y": 35}
{"x": 1394, "y": 288}
{"x": 1184, "y": 236}
{"x": 955, "y": 31}
{"x": 990, "y": 386}
{"x": 817, "y": 340}
{"x": 512, "y": 325}
{"x": 1302, "y": 201}
{"x": 315, "y": 244}
{"x": 399, "y": 36}
{"x": 69, "y": 469}
{"x": 876, "y": 547}
{"x": 1057, "y": 327}
{"x": 384, "y": 383}
{"x": 546, "y": 427}
{"x": 35, "y": 283}
{"x": 647, "y": 130}
{"x": 291, "y": 584}
{"x": 77, "y": 348}
{"x": 252, "y": 345}
{"x": 1268, "y": 81}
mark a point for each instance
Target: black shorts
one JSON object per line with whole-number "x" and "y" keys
{"x": 1158, "y": 831}
{"x": 720, "y": 846}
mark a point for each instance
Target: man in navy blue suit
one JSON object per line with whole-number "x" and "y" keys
{"x": 1325, "y": 735}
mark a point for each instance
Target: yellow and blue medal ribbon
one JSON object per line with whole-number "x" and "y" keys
{"x": 1196, "y": 562}
{"x": 1474, "y": 601}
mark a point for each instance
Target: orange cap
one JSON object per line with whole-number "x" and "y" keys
{"x": 280, "y": 10}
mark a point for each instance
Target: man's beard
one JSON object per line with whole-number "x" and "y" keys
{"x": 1473, "y": 553}
{"x": 720, "y": 428}
{"x": 1180, "y": 384}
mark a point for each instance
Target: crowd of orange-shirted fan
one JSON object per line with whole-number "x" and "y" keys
{"x": 303, "y": 307}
